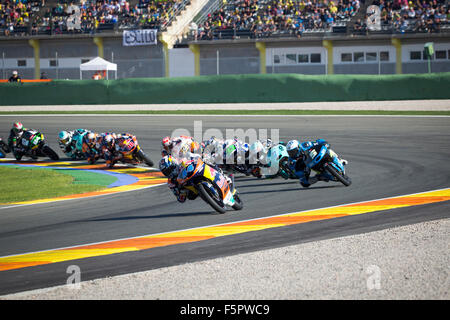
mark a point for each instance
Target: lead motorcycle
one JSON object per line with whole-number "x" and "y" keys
{"x": 33, "y": 145}
{"x": 327, "y": 163}
{"x": 210, "y": 184}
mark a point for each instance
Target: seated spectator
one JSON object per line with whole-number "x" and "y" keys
{"x": 360, "y": 26}
{"x": 413, "y": 15}
{"x": 275, "y": 17}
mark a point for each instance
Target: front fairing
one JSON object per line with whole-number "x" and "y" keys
{"x": 316, "y": 160}
{"x": 188, "y": 172}
{"x": 32, "y": 139}
{"x": 128, "y": 148}
{"x": 336, "y": 162}
{"x": 194, "y": 173}
{"x": 315, "y": 157}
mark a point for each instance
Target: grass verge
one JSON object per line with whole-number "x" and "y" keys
{"x": 25, "y": 184}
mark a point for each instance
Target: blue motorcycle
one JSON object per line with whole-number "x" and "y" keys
{"x": 327, "y": 163}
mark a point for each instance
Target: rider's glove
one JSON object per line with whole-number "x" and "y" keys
{"x": 179, "y": 194}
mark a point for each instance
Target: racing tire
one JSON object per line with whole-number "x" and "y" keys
{"x": 238, "y": 205}
{"x": 145, "y": 158}
{"x": 50, "y": 153}
{"x": 4, "y": 148}
{"x": 207, "y": 196}
{"x": 346, "y": 181}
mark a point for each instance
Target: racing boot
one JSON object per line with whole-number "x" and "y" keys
{"x": 256, "y": 172}
{"x": 306, "y": 182}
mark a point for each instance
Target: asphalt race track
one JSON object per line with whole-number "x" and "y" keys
{"x": 388, "y": 156}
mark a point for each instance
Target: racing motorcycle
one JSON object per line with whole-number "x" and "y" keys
{"x": 277, "y": 163}
{"x": 243, "y": 162}
{"x": 328, "y": 163}
{"x": 210, "y": 184}
{"x": 131, "y": 152}
{"x": 33, "y": 145}
{"x": 4, "y": 148}
{"x": 77, "y": 144}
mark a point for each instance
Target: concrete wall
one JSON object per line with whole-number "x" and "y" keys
{"x": 181, "y": 62}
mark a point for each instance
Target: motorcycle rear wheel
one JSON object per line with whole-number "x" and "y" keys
{"x": 346, "y": 181}
{"x": 209, "y": 198}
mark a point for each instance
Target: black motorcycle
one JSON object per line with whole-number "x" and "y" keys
{"x": 33, "y": 145}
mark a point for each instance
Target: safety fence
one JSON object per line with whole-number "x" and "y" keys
{"x": 252, "y": 88}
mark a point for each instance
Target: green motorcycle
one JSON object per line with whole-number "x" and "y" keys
{"x": 33, "y": 145}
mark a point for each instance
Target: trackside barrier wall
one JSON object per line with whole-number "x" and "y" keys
{"x": 229, "y": 89}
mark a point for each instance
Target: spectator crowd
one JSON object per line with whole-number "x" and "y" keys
{"x": 414, "y": 15}
{"x": 253, "y": 18}
{"x": 85, "y": 16}
{"x": 265, "y": 18}
{"x": 16, "y": 15}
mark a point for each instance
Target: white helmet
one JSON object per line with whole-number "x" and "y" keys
{"x": 65, "y": 137}
{"x": 292, "y": 148}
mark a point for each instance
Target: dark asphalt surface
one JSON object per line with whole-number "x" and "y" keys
{"x": 388, "y": 156}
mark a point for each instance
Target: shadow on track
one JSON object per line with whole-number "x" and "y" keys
{"x": 159, "y": 216}
{"x": 266, "y": 184}
{"x": 295, "y": 189}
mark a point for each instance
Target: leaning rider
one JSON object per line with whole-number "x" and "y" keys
{"x": 171, "y": 169}
{"x": 108, "y": 149}
{"x": 14, "y": 140}
{"x": 71, "y": 143}
{"x": 297, "y": 156}
{"x": 89, "y": 150}
{"x": 182, "y": 147}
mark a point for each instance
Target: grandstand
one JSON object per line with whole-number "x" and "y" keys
{"x": 224, "y": 36}
{"x": 233, "y": 19}
{"x": 56, "y": 17}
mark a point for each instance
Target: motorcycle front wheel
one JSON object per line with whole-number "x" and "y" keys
{"x": 238, "y": 205}
{"x": 346, "y": 181}
{"x": 143, "y": 157}
{"x": 50, "y": 153}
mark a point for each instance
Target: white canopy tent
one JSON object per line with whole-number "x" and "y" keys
{"x": 98, "y": 64}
